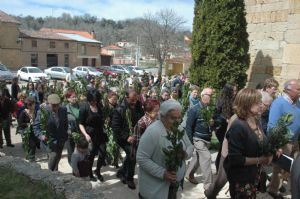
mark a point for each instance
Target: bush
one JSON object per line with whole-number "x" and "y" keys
{"x": 220, "y": 43}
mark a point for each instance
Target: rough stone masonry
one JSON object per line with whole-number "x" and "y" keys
{"x": 274, "y": 37}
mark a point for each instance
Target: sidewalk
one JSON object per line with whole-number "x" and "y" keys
{"x": 112, "y": 187}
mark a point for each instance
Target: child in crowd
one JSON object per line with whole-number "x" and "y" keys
{"x": 79, "y": 160}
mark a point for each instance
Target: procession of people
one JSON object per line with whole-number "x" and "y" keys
{"x": 160, "y": 127}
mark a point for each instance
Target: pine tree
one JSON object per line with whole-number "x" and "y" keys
{"x": 220, "y": 43}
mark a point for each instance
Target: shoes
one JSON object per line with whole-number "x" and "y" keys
{"x": 282, "y": 189}
{"x": 116, "y": 165}
{"x": 275, "y": 195}
{"x": 131, "y": 185}
{"x": 99, "y": 176}
{"x": 93, "y": 178}
{"x": 10, "y": 145}
{"x": 119, "y": 174}
{"x": 122, "y": 177}
{"x": 192, "y": 180}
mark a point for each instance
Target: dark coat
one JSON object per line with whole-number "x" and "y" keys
{"x": 56, "y": 133}
{"x": 195, "y": 124}
{"x": 119, "y": 122}
{"x": 295, "y": 179}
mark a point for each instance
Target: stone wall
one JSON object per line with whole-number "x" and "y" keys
{"x": 274, "y": 36}
{"x": 67, "y": 185}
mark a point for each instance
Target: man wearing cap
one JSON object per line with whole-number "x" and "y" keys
{"x": 56, "y": 127}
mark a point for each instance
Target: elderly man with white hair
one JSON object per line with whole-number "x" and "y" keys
{"x": 154, "y": 178}
{"x": 287, "y": 103}
{"x": 200, "y": 134}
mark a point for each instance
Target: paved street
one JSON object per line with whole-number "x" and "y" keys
{"x": 113, "y": 188}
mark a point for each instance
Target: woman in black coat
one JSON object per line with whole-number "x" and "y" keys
{"x": 245, "y": 137}
{"x": 91, "y": 123}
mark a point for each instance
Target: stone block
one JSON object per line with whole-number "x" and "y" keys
{"x": 278, "y": 36}
{"x": 250, "y": 3}
{"x": 266, "y": 44}
{"x": 275, "y": 6}
{"x": 273, "y": 16}
{"x": 291, "y": 54}
{"x": 274, "y": 54}
{"x": 277, "y": 71}
{"x": 251, "y": 27}
{"x": 292, "y": 36}
{"x": 279, "y": 27}
{"x": 267, "y": 27}
{"x": 281, "y": 16}
{"x": 294, "y": 21}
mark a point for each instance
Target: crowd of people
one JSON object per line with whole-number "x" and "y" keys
{"x": 139, "y": 123}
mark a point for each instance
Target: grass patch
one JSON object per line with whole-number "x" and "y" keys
{"x": 17, "y": 186}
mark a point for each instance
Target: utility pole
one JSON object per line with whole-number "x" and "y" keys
{"x": 137, "y": 53}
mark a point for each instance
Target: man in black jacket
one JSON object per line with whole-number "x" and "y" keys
{"x": 198, "y": 130}
{"x": 125, "y": 117}
{"x": 56, "y": 128}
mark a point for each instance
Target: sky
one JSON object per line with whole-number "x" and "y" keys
{"x": 109, "y": 9}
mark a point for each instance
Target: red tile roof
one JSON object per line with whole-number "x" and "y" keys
{"x": 113, "y": 47}
{"x": 6, "y": 18}
{"x": 78, "y": 32}
{"x": 42, "y": 35}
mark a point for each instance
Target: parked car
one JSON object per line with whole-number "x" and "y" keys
{"x": 106, "y": 70}
{"x": 57, "y": 72}
{"x": 31, "y": 74}
{"x": 5, "y": 74}
{"x": 137, "y": 70}
{"x": 84, "y": 70}
{"x": 119, "y": 69}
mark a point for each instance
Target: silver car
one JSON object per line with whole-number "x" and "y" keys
{"x": 57, "y": 72}
{"x": 84, "y": 70}
{"x": 5, "y": 74}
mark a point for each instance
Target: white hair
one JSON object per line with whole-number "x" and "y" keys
{"x": 288, "y": 84}
{"x": 168, "y": 106}
{"x": 206, "y": 91}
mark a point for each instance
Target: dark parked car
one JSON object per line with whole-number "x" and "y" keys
{"x": 5, "y": 74}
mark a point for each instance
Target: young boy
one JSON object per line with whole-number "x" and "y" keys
{"x": 79, "y": 160}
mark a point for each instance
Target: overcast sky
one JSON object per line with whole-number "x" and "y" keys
{"x": 109, "y": 9}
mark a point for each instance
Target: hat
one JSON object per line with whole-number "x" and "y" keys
{"x": 53, "y": 99}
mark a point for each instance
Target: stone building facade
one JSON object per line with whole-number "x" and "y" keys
{"x": 10, "y": 44}
{"x": 274, "y": 36}
{"x": 45, "y": 48}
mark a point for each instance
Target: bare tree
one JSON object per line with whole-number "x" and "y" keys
{"x": 159, "y": 34}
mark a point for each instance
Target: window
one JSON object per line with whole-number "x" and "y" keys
{"x": 66, "y": 45}
{"x": 94, "y": 62}
{"x": 33, "y": 43}
{"x": 24, "y": 70}
{"x": 52, "y": 44}
{"x": 34, "y": 59}
{"x": 83, "y": 49}
{"x": 85, "y": 61}
{"x": 66, "y": 60}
